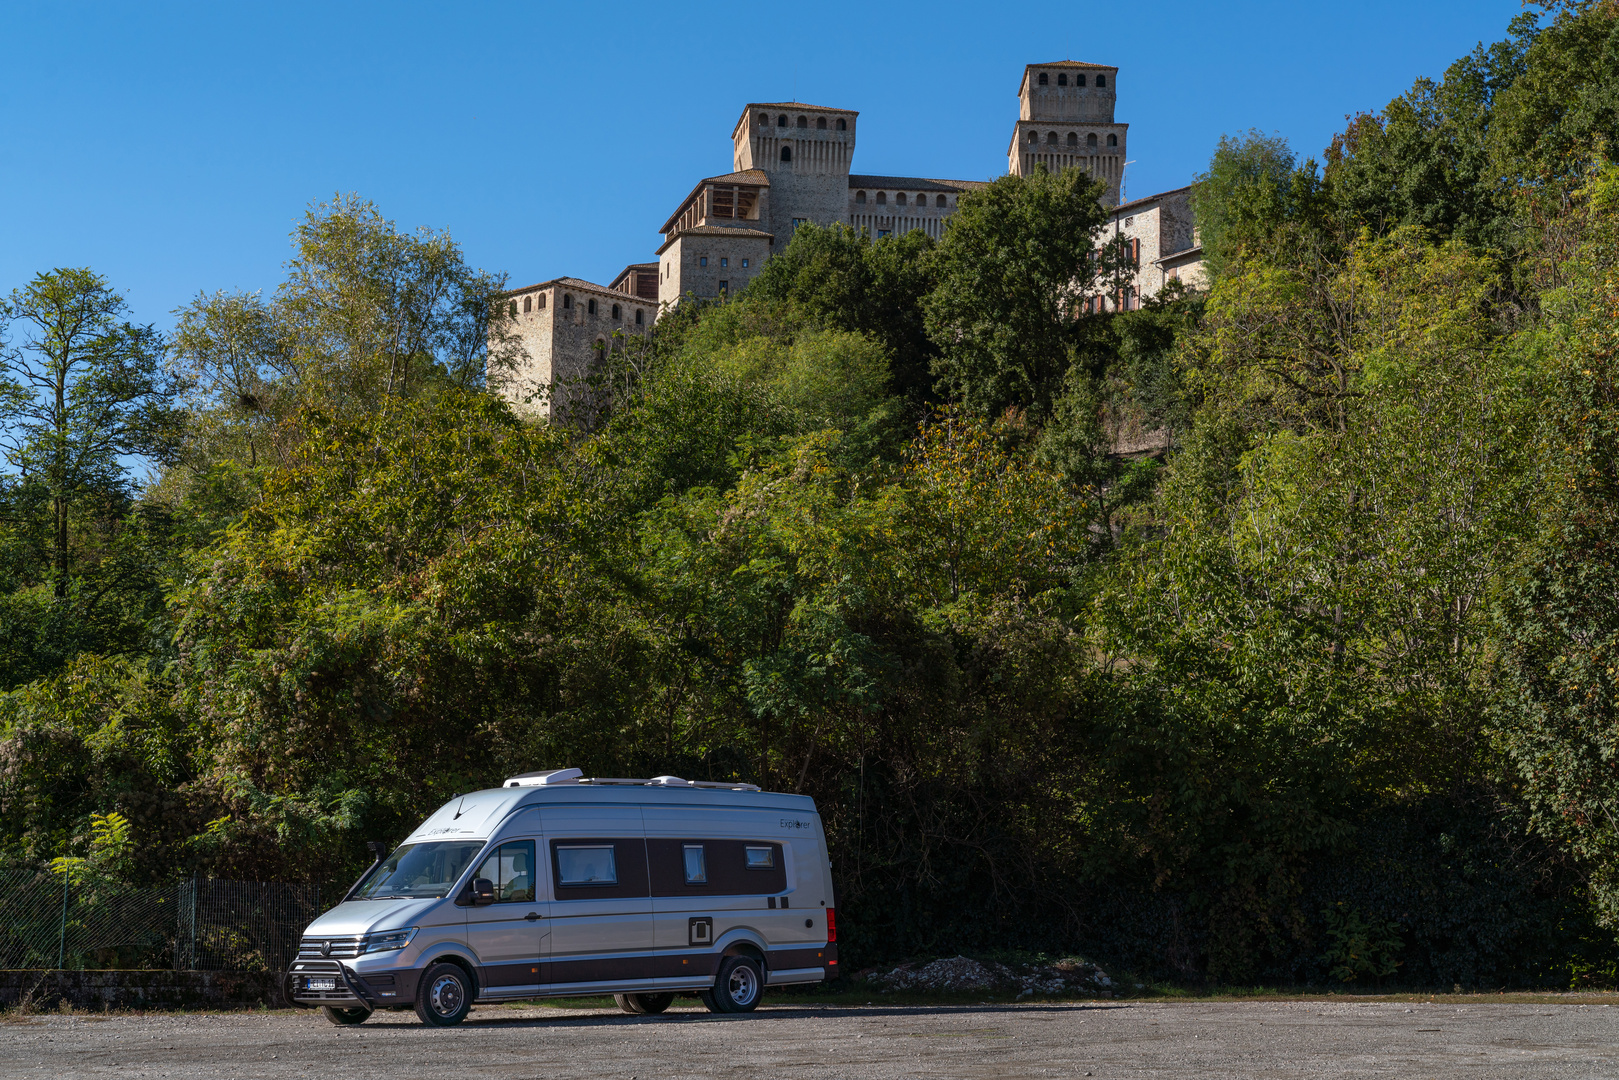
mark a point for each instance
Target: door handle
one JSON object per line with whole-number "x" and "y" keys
{"x": 533, "y": 915}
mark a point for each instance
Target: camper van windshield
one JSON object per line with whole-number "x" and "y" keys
{"x": 420, "y": 870}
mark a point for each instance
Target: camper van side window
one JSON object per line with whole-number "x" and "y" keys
{"x": 760, "y": 858}
{"x": 696, "y": 871}
{"x": 511, "y": 868}
{"x": 587, "y": 865}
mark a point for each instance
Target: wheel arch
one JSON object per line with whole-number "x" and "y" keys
{"x": 459, "y": 960}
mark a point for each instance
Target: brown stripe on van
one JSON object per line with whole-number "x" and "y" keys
{"x": 725, "y": 864}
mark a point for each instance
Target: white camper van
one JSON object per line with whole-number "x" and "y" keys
{"x": 561, "y": 884}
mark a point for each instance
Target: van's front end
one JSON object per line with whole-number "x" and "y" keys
{"x": 368, "y": 952}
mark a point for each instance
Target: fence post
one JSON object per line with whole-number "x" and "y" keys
{"x": 191, "y": 924}
{"x": 61, "y": 939}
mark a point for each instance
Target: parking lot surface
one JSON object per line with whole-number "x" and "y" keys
{"x": 1095, "y": 1039}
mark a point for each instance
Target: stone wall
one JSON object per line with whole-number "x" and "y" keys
{"x": 561, "y": 337}
{"x": 814, "y": 184}
{"x": 697, "y": 261}
{"x": 42, "y": 990}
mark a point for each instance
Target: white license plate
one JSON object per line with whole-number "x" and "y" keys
{"x": 321, "y": 984}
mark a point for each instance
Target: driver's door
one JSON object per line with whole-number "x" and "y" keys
{"x": 509, "y": 935}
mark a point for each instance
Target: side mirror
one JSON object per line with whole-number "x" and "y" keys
{"x": 483, "y": 891}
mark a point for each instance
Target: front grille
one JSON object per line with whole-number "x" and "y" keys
{"x": 342, "y": 948}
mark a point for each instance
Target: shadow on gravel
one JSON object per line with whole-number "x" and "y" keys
{"x": 767, "y": 1014}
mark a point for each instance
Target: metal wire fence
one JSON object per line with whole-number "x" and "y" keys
{"x": 48, "y": 920}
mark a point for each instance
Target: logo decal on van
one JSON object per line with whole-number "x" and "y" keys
{"x": 795, "y": 823}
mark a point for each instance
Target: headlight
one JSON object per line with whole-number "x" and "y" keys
{"x": 390, "y": 939}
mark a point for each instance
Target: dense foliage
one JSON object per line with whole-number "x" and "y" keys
{"x": 1266, "y": 633}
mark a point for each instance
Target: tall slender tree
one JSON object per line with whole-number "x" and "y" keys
{"x": 81, "y": 390}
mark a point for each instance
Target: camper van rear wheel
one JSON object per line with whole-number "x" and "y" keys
{"x": 345, "y": 1017}
{"x": 738, "y": 987}
{"x": 643, "y": 1004}
{"x": 444, "y": 996}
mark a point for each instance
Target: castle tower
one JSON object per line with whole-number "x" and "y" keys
{"x": 1065, "y": 120}
{"x": 805, "y": 150}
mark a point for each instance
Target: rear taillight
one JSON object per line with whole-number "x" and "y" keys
{"x": 831, "y": 927}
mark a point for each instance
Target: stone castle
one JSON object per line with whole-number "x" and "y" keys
{"x": 791, "y": 164}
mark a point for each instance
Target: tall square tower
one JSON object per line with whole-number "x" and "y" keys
{"x": 1065, "y": 121}
{"x": 805, "y": 150}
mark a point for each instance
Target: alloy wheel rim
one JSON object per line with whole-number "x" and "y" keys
{"x": 446, "y": 996}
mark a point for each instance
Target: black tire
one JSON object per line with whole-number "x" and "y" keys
{"x": 345, "y": 1017}
{"x": 444, "y": 996}
{"x": 643, "y": 1004}
{"x": 738, "y": 987}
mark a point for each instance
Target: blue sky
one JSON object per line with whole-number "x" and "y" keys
{"x": 172, "y": 147}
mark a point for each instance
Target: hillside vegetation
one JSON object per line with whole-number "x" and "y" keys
{"x": 1324, "y": 690}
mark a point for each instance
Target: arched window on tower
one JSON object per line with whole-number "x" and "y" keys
{"x": 1062, "y": 79}
{"x": 899, "y": 199}
{"x": 939, "y": 201}
{"x": 615, "y": 312}
{"x": 781, "y": 121}
{"x": 514, "y": 307}
{"x": 1113, "y": 140}
{"x": 1079, "y": 80}
{"x": 639, "y": 316}
{"x": 1090, "y": 140}
{"x": 860, "y": 197}
{"x": 567, "y": 300}
{"x": 1073, "y": 139}
{"x": 1034, "y": 136}
{"x": 590, "y": 306}
{"x": 1051, "y": 138}
{"x": 820, "y": 123}
{"x": 843, "y": 125}
{"x": 763, "y": 120}
{"x": 1043, "y": 78}
{"x": 803, "y": 122}
{"x": 528, "y": 304}
{"x": 786, "y": 153}
{"x": 882, "y": 198}
{"x": 600, "y": 349}
{"x": 1101, "y": 80}
{"x": 540, "y": 302}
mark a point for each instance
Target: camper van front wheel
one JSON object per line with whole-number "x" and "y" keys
{"x": 738, "y": 986}
{"x": 445, "y": 995}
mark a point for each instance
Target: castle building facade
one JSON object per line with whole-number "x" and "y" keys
{"x": 790, "y": 165}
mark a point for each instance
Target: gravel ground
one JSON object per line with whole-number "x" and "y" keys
{"x": 1098, "y": 1039}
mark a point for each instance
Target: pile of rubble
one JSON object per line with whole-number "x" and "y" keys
{"x": 1064, "y": 978}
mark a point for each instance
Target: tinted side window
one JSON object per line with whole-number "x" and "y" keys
{"x": 592, "y": 868}
{"x": 725, "y": 866}
{"x": 511, "y": 868}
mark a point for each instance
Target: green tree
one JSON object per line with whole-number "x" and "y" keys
{"x": 82, "y": 389}
{"x": 1012, "y": 273}
{"x": 1253, "y": 198}
{"x": 836, "y": 278}
{"x": 368, "y": 315}
{"x": 1558, "y": 613}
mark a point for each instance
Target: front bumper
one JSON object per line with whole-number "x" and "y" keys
{"x": 349, "y": 990}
